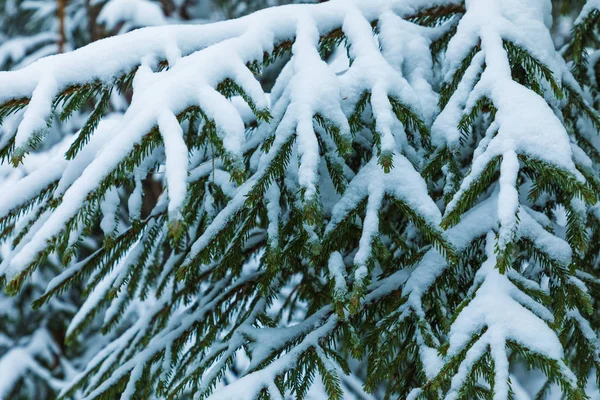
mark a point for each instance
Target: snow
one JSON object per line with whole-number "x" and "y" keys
{"x": 109, "y": 207}
{"x": 313, "y": 89}
{"x": 476, "y": 223}
{"x": 445, "y": 127}
{"x": 176, "y": 153}
{"x": 230, "y": 127}
{"x": 190, "y": 81}
{"x": 273, "y": 196}
{"x": 411, "y": 57}
{"x": 589, "y": 6}
{"x": 370, "y": 231}
{"x": 471, "y": 357}
{"x": 134, "y": 204}
{"x": 402, "y": 182}
{"x": 15, "y": 49}
{"x": 508, "y": 198}
{"x": 202, "y": 57}
{"x": 22, "y": 359}
{"x": 524, "y": 119}
{"x": 37, "y": 112}
{"x": 557, "y": 248}
{"x": 337, "y": 273}
{"x": 587, "y": 331}
{"x": 505, "y": 317}
{"x": 136, "y": 13}
{"x": 126, "y": 51}
{"x": 370, "y": 71}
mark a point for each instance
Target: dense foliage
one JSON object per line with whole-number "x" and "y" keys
{"x": 410, "y": 209}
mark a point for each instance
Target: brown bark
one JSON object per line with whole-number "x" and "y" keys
{"x": 168, "y": 7}
{"x": 92, "y": 16}
{"x": 60, "y": 13}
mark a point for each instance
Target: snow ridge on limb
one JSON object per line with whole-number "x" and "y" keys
{"x": 126, "y": 51}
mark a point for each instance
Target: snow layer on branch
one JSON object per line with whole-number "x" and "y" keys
{"x": 337, "y": 273}
{"x": 555, "y": 247}
{"x": 590, "y": 5}
{"x": 475, "y": 223}
{"x": 307, "y": 87}
{"x": 125, "y": 52}
{"x": 136, "y": 13}
{"x": 524, "y": 118}
{"x": 370, "y": 71}
{"x": 273, "y": 196}
{"x": 23, "y": 359}
{"x": 175, "y": 92}
{"x": 38, "y": 112}
{"x": 233, "y": 43}
{"x": 109, "y": 207}
{"x": 508, "y": 198}
{"x": 524, "y": 123}
{"x": 369, "y": 232}
{"x": 313, "y": 89}
{"x": 402, "y": 183}
{"x": 498, "y": 305}
{"x": 411, "y": 57}
{"x": 526, "y": 22}
{"x": 445, "y": 127}
{"x": 176, "y": 154}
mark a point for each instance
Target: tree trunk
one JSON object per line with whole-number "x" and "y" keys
{"x": 60, "y": 13}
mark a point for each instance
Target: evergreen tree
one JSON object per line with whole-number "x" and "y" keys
{"x": 412, "y": 205}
